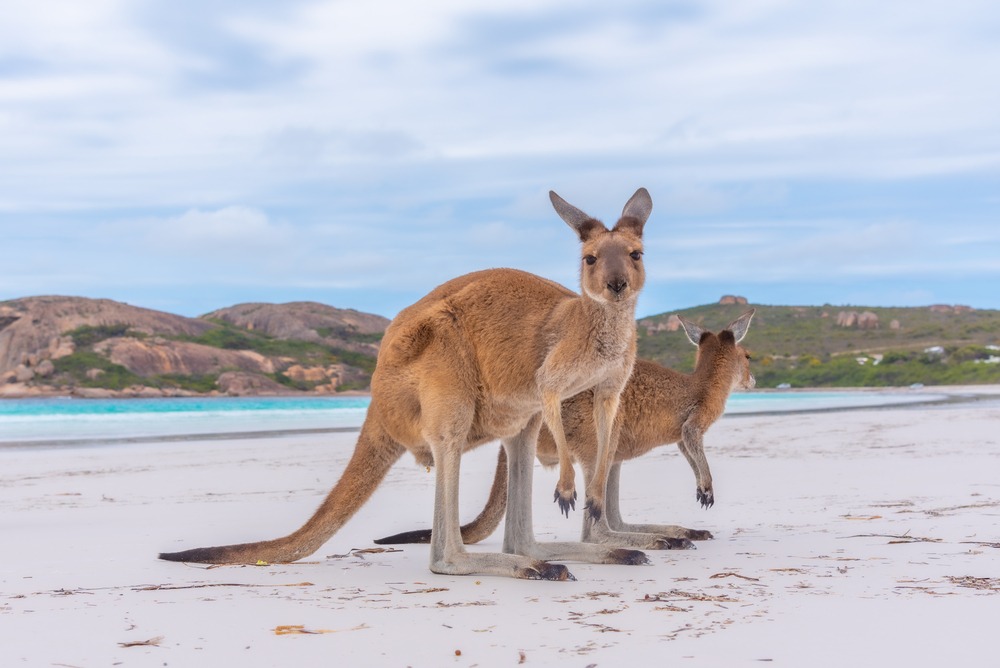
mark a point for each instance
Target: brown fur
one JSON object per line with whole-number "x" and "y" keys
{"x": 658, "y": 406}
{"x": 477, "y": 360}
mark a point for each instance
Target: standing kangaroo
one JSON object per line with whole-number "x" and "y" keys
{"x": 658, "y": 406}
{"x": 481, "y": 358}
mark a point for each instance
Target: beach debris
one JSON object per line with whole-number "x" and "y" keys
{"x": 152, "y": 642}
{"x": 361, "y": 552}
{"x": 521, "y": 657}
{"x": 429, "y": 590}
{"x": 678, "y": 595}
{"x": 983, "y": 584}
{"x": 463, "y": 604}
{"x": 299, "y": 629}
{"x": 893, "y": 504}
{"x": 217, "y": 584}
{"x": 905, "y": 538}
{"x": 864, "y": 518}
{"x": 938, "y": 512}
{"x": 598, "y": 594}
{"x": 730, "y": 574}
{"x": 981, "y": 543}
{"x": 261, "y": 562}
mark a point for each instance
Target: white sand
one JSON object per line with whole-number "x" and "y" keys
{"x": 803, "y": 570}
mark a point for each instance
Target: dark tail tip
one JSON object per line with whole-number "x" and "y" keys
{"x": 418, "y": 536}
{"x": 199, "y": 555}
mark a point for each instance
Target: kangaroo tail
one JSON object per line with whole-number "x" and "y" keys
{"x": 373, "y": 456}
{"x": 485, "y": 523}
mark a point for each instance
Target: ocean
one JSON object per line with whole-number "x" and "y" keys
{"x": 52, "y": 421}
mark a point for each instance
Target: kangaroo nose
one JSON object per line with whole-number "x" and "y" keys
{"x": 616, "y": 286}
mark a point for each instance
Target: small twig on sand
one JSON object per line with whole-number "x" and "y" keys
{"x": 361, "y": 552}
{"x": 152, "y": 642}
{"x": 733, "y": 575}
{"x": 429, "y": 590}
{"x": 218, "y": 584}
{"x": 896, "y": 539}
{"x": 299, "y": 629}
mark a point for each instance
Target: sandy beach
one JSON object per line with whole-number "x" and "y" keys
{"x": 855, "y": 537}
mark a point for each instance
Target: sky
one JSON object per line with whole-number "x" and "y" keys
{"x": 188, "y": 155}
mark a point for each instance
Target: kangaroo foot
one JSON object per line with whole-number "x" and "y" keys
{"x": 706, "y": 498}
{"x": 699, "y": 534}
{"x": 543, "y": 570}
{"x": 666, "y": 543}
{"x": 627, "y": 557}
{"x": 566, "y": 500}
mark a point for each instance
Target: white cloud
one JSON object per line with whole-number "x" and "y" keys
{"x": 343, "y": 125}
{"x": 230, "y": 229}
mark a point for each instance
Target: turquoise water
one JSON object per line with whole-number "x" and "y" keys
{"x": 767, "y": 402}
{"x": 86, "y": 419}
{"x": 31, "y": 420}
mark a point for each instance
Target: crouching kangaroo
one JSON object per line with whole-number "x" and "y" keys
{"x": 481, "y": 358}
{"x": 658, "y": 406}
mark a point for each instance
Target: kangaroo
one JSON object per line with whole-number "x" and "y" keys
{"x": 481, "y": 358}
{"x": 658, "y": 406}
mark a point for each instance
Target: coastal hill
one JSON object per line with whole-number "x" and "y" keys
{"x": 98, "y": 347}
{"x": 843, "y": 346}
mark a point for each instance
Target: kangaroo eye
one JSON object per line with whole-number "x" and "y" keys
{"x": 749, "y": 357}
{"x": 635, "y": 255}
{"x": 589, "y": 259}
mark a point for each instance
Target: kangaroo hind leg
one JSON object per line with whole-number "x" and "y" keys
{"x": 611, "y": 530}
{"x": 446, "y": 433}
{"x": 519, "y": 536}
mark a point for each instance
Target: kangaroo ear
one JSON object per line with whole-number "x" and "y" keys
{"x": 692, "y": 330}
{"x": 584, "y": 225}
{"x": 636, "y": 212}
{"x": 740, "y": 326}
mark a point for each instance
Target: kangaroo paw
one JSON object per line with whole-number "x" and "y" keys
{"x": 627, "y": 557}
{"x": 706, "y": 498}
{"x": 566, "y": 501}
{"x": 543, "y": 570}
{"x": 699, "y": 534}
{"x": 594, "y": 509}
{"x": 665, "y": 543}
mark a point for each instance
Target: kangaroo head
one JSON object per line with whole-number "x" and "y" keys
{"x": 611, "y": 268}
{"x": 725, "y": 347}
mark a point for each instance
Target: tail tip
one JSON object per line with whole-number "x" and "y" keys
{"x": 406, "y": 538}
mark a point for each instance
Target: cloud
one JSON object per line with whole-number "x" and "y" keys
{"x": 408, "y": 142}
{"x": 232, "y": 229}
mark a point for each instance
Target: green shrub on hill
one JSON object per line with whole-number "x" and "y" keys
{"x": 805, "y": 347}
{"x": 87, "y": 335}
{"x": 112, "y": 377}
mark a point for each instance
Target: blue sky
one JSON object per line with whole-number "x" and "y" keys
{"x": 187, "y": 156}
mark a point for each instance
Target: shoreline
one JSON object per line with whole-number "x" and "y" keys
{"x": 137, "y": 393}
{"x": 956, "y": 394}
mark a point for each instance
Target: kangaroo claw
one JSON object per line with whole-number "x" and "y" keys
{"x": 594, "y": 509}
{"x": 566, "y": 504}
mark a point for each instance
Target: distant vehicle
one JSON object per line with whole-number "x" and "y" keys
{"x": 916, "y": 386}
{"x": 784, "y": 386}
